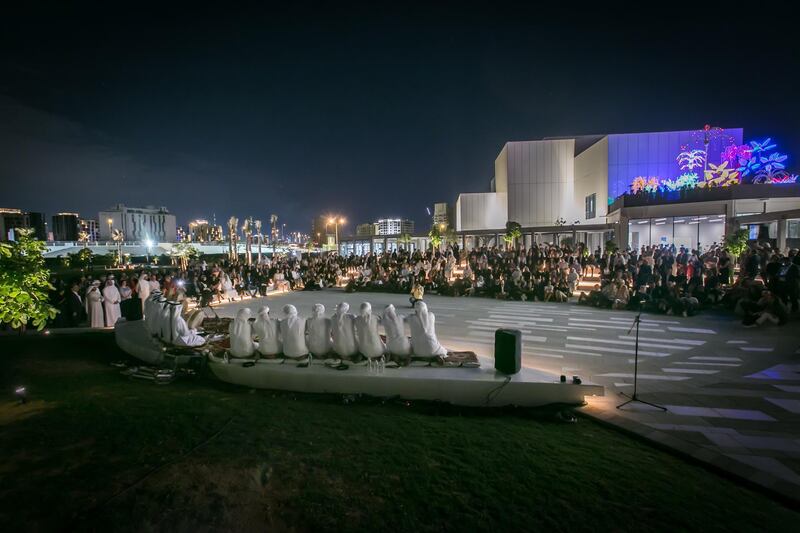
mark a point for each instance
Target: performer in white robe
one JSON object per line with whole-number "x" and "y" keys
{"x": 396, "y": 341}
{"x": 343, "y": 332}
{"x": 228, "y": 291}
{"x": 319, "y": 332}
{"x": 266, "y": 329}
{"x": 241, "y": 332}
{"x": 367, "y": 337}
{"x": 111, "y": 299}
{"x": 184, "y": 335}
{"x": 94, "y": 306}
{"x": 293, "y": 333}
{"x": 423, "y": 332}
{"x": 143, "y": 290}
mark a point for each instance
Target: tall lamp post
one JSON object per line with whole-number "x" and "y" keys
{"x": 336, "y": 221}
{"x": 110, "y": 222}
{"x": 148, "y": 243}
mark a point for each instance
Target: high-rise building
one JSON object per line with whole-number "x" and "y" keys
{"x": 91, "y": 227}
{"x": 11, "y": 219}
{"x": 66, "y": 226}
{"x": 200, "y": 230}
{"x": 138, "y": 223}
{"x": 322, "y": 231}
{"x": 442, "y": 214}
{"x": 394, "y": 226}
{"x": 365, "y": 230}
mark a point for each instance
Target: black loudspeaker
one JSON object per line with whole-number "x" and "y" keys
{"x": 131, "y": 309}
{"x": 508, "y": 350}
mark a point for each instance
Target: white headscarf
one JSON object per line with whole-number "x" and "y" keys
{"x": 293, "y": 333}
{"x": 343, "y": 332}
{"x": 396, "y": 341}
{"x": 369, "y": 341}
{"x": 143, "y": 287}
{"x": 423, "y": 332}
{"x": 241, "y": 333}
{"x": 266, "y": 330}
{"x": 319, "y": 332}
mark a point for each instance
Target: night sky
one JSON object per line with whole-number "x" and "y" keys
{"x": 356, "y": 111}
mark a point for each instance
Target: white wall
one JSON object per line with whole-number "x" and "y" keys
{"x": 591, "y": 176}
{"x": 501, "y": 171}
{"x": 541, "y": 182}
{"x": 481, "y": 210}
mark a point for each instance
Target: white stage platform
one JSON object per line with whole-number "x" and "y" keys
{"x": 459, "y": 386}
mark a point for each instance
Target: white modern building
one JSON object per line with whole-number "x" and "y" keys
{"x": 394, "y": 226}
{"x": 138, "y": 224}
{"x": 687, "y": 188}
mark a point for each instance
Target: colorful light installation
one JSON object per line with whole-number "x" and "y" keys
{"x": 691, "y": 159}
{"x": 721, "y": 176}
{"x": 758, "y": 159}
{"x": 765, "y": 163}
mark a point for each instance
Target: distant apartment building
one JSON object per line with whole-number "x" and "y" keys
{"x": 65, "y": 226}
{"x": 442, "y": 214}
{"x": 138, "y": 223}
{"x": 91, "y": 227}
{"x": 366, "y": 230}
{"x": 394, "y": 226}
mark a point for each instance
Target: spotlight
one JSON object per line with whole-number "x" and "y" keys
{"x": 22, "y": 394}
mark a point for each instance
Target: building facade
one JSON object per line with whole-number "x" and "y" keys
{"x": 91, "y": 227}
{"x": 442, "y": 214}
{"x": 684, "y": 188}
{"x": 66, "y": 226}
{"x": 12, "y": 219}
{"x": 138, "y": 223}
{"x": 365, "y": 230}
{"x": 394, "y": 226}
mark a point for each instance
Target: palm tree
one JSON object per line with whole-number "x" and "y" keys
{"x": 233, "y": 225}
{"x": 273, "y": 220}
{"x": 83, "y": 237}
{"x": 247, "y": 230}
{"x": 404, "y": 239}
{"x": 118, "y": 237}
{"x": 257, "y": 224}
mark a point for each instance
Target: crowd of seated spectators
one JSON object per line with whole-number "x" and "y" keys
{"x": 661, "y": 279}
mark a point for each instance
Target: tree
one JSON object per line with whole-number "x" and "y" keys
{"x": 404, "y": 239}
{"x": 736, "y": 243}
{"x": 24, "y": 283}
{"x": 184, "y": 252}
{"x": 513, "y": 232}
{"x": 435, "y": 235}
{"x": 611, "y": 246}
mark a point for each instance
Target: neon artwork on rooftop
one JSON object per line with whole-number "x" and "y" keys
{"x": 691, "y": 159}
{"x": 756, "y": 162}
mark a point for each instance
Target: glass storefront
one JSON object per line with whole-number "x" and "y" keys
{"x": 692, "y": 232}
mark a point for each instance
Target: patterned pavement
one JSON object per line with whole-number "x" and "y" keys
{"x": 732, "y": 394}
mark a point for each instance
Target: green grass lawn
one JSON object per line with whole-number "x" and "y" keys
{"x": 75, "y": 457}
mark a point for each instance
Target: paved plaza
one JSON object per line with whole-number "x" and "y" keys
{"x": 732, "y": 394}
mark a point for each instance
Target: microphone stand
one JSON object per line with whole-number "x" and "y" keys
{"x": 634, "y": 397}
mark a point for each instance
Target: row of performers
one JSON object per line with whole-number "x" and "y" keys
{"x": 344, "y": 335}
